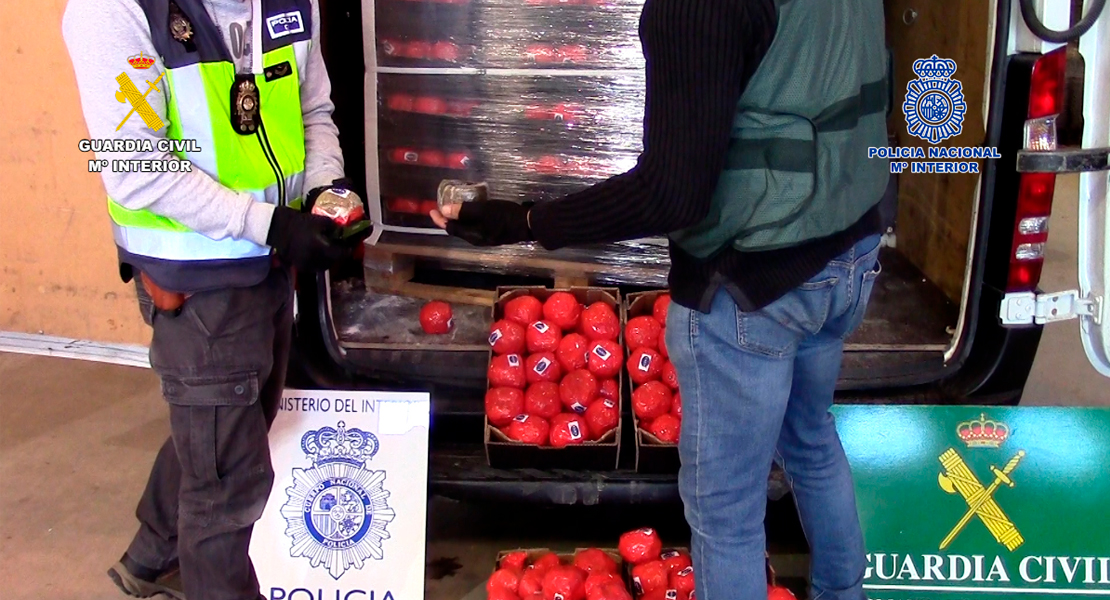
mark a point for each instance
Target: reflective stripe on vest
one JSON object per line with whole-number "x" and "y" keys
{"x": 797, "y": 166}
{"x": 198, "y": 108}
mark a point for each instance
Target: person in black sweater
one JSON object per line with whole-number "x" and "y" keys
{"x": 756, "y": 329}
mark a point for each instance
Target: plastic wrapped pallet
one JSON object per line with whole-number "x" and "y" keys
{"x": 537, "y": 98}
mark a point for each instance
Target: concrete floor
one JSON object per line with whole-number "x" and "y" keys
{"x": 77, "y": 440}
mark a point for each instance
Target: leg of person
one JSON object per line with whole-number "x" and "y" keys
{"x": 809, "y": 447}
{"x": 274, "y": 386}
{"x": 152, "y": 555}
{"x": 214, "y": 359}
{"x": 734, "y": 370}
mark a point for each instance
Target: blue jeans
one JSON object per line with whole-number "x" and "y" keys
{"x": 756, "y": 388}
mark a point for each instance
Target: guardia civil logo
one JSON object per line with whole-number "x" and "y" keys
{"x": 337, "y": 512}
{"x": 934, "y": 105}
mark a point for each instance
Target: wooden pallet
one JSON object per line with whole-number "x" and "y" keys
{"x": 390, "y": 264}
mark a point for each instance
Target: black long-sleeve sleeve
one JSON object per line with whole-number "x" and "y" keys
{"x": 699, "y": 56}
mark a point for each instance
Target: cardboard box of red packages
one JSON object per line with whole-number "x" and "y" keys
{"x": 652, "y": 454}
{"x": 531, "y": 555}
{"x": 602, "y": 454}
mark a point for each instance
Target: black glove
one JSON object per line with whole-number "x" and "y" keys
{"x": 492, "y": 223}
{"x": 305, "y": 241}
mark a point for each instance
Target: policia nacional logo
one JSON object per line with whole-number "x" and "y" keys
{"x": 958, "y": 478}
{"x": 337, "y": 511}
{"x": 934, "y": 105}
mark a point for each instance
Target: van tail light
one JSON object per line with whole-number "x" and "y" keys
{"x": 1035, "y": 190}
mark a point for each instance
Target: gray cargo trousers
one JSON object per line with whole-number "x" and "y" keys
{"x": 222, "y": 359}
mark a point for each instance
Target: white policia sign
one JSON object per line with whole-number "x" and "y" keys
{"x": 346, "y": 517}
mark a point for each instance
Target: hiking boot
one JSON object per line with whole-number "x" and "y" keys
{"x": 140, "y": 582}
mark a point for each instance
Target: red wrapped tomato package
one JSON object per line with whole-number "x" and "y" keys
{"x": 652, "y": 400}
{"x": 594, "y": 560}
{"x": 602, "y": 417}
{"x": 610, "y": 591}
{"x": 650, "y": 576}
{"x": 342, "y": 206}
{"x": 562, "y": 309}
{"x": 642, "y": 332}
{"x": 500, "y": 593}
{"x": 604, "y": 359}
{"x": 778, "y": 592}
{"x": 436, "y": 318}
{"x": 567, "y": 429}
{"x": 542, "y": 400}
{"x": 667, "y": 428}
{"x": 527, "y": 429}
{"x": 645, "y": 365}
{"x": 578, "y": 390}
{"x": 531, "y": 583}
{"x": 524, "y": 310}
{"x": 641, "y": 546}
{"x": 546, "y": 562}
{"x": 503, "y": 405}
{"x": 670, "y": 376}
{"x": 676, "y": 560}
{"x": 564, "y": 583}
{"x": 663, "y": 593}
{"x": 506, "y": 337}
{"x": 572, "y": 351}
{"x": 599, "y": 579}
{"x": 508, "y": 579}
{"x": 543, "y": 336}
{"x": 542, "y": 367}
{"x": 600, "y": 322}
{"x": 683, "y": 581}
{"x": 660, "y": 309}
{"x": 514, "y": 560}
{"x": 507, "y": 371}
{"x": 610, "y": 389}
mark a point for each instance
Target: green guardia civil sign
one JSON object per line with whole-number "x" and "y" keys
{"x": 982, "y": 502}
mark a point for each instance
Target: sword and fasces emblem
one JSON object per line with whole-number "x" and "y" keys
{"x": 958, "y": 478}
{"x": 130, "y": 94}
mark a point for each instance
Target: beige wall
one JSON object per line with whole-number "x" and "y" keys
{"x": 57, "y": 263}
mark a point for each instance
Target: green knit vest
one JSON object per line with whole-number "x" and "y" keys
{"x": 797, "y": 166}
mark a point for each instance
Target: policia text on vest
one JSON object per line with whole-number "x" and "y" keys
{"x": 919, "y": 153}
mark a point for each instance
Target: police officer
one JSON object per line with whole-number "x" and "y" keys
{"x": 758, "y": 118}
{"x": 212, "y": 249}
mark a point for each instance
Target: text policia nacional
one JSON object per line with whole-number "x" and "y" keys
{"x": 918, "y": 154}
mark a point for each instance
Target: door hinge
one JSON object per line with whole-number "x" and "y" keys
{"x": 1026, "y": 308}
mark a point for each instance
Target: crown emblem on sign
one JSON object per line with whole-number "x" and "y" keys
{"x": 330, "y": 445}
{"x": 934, "y": 68}
{"x": 982, "y": 432}
{"x": 140, "y": 61}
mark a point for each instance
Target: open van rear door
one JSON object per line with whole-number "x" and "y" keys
{"x": 1094, "y": 227}
{"x": 1092, "y": 161}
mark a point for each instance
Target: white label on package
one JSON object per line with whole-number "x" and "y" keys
{"x": 575, "y": 431}
{"x": 670, "y": 553}
{"x": 514, "y": 360}
{"x": 601, "y": 352}
{"x": 541, "y": 366}
{"x": 686, "y": 572}
{"x": 645, "y": 363}
{"x": 520, "y": 418}
{"x": 493, "y": 337}
{"x": 540, "y": 326}
{"x": 578, "y": 408}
